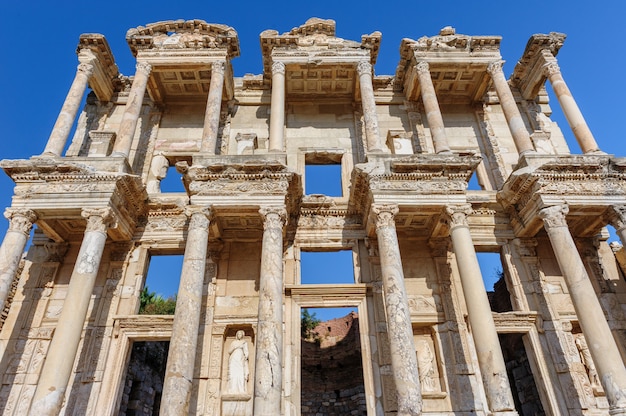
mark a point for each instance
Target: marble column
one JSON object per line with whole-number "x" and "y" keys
{"x": 431, "y": 106}
{"x": 65, "y": 120}
{"x": 513, "y": 117}
{"x": 59, "y": 362}
{"x": 399, "y": 328}
{"x": 483, "y": 328}
{"x": 617, "y": 218}
{"x": 181, "y": 358}
{"x": 570, "y": 109}
{"x": 20, "y": 223}
{"x": 372, "y": 135}
{"x": 602, "y": 346}
{"x": 277, "y": 108}
{"x": 269, "y": 339}
{"x": 128, "y": 125}
{"x": 213, "y": 108}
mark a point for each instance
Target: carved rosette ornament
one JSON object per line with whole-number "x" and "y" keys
{"x": 278, "y": 68}
{"x": 554, "y": 216}
{"x": 20, "y": 220}
{"x": 457, "y": 215}
{"x": 422, "y": 68}
{"x": 551, "y": 68}
{"x": 218, "y": 67}
{"x": 143, "y": 67}
{"x": 495, "y": 67}
{"x": 364, "y": 68}
{"x": 98, "y": 219}
{"x": 85, "y": 68}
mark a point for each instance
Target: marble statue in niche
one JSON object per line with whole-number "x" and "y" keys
{"x": 238, "y": 370}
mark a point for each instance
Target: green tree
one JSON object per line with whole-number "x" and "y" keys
{"x": 152, "y": 304}
{"x": 308, "y": 322}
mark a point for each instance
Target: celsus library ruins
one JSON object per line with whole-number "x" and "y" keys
{"x": 442, "y": 162}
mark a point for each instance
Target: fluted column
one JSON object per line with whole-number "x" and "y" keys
{"x": 372, "y": 135}
{"x": 483, "y": 328}
{"x": 65, "y": 120}
{"x": 181, "y": 358}
{"x": 20, "y": 223}
{"x": 128, "y": 125}
{"x": 399, "y": 328}
{"x": 593, "y": 324}
{"x": 269, "y": 340}
{"x": 213, "y": 108}
{"x": 571, "y": 111}
{"x": 431, "y": 106}
{"x": 277, "y": 108}
{"x": 59, "y": 361}
{"x": 513, "y": 117}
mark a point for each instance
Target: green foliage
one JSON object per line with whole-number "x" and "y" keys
{"x": 308, "y": 322}
{"x": 152, "y": 304}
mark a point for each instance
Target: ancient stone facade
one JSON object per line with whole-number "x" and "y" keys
{"x": 406, "y": 145}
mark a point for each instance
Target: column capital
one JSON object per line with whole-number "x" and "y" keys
{"x": 495, "y": 67}
{"x": 551, "y": 68}
{"x": 273, "y": 216}
{"x": 278, "y": 68}
{"x": 422, "y": 67}
{"x": 144, "y": 68}
{"x": 385, "y": 214}
{"x": 98, "y": 219}
{"x": 457, "y": 215}
{"x": 199, "y": 216}
{"x": 20, "y": 220}
{"x": 218, "y": 67}
{"x": 85, "y": 68}
{"x": 616, "y": 215}
{"x": 363, "y": 68}
{"x": 554, "y": 216}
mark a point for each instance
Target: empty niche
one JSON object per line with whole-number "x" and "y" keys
{"x": 322, "y": 174}
{"x": 158, "y": 296}
{"x": 326, "y": 267}
{"x": 331, "y": 376}
{"x": 495, "y": 283}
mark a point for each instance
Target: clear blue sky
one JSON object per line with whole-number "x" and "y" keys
{"x": 38, "y": 60}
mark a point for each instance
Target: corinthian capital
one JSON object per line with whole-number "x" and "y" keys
{"x": 144, "y": 68}
{"x": 551, "y": 69}
{"x": 20, "y": 220}
{"x": 617, "y": 216}
{"x": 85, "y": 68}
{"x": 385, "y": 214}
{"x": 494, "y": 67}
{"x": 278, "y": 68}
{"x": 364, "y": 67}
{"x": 98, "y": 219}
{"x": 457, "y": 215}
{"x": 422, "y": 67}
{"x": 554, "y": 216}
{"x": 273, "y": 217}
{"x": 218, "y": 67}
{"x": 199, "y": 217}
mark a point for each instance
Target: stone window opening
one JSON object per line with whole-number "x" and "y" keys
{"x": 323, "y": 174}
{"x": 327, "y": 267}
{"x": 495, "y": 282}
{"x": 163, "y": 176}
{"x": 158, "y": 296}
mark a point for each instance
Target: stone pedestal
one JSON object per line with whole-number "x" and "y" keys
{"x": 65, "y": 120}
{"x": 483, "y": 328}
{"x": 277, "y": 108}
{"x": 372, "y": 135}
{"x": 101, "y": 143}
{"x": 399, "y": 328}
{"x": 600, "y": 341}
{"x": 181, "y": 358}
{"x": 59, "y": 362}
{"x": 213, "y": 108}
{"x": 12, "y": 248}
{"x": 269, "y": 342}
{"x": 509, "y": 107}
{"x": 431, "y": 106}
{"x": 128, "y": 125}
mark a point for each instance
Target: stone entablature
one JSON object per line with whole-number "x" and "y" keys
{"x": 436, "y": 163}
